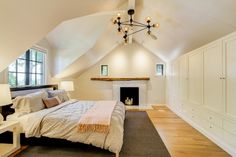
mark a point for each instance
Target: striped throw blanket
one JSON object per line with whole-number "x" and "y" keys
{"x": 97, "y": 118}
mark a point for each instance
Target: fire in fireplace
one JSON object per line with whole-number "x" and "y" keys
{"x": 129, "y": 95}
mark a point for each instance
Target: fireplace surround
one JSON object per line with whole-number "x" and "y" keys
{"x": 140, "y": 84}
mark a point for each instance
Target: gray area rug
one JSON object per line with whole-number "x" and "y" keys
{"x": 140, "y": 140}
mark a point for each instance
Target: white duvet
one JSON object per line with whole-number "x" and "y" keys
{"x": 61, "y": 122}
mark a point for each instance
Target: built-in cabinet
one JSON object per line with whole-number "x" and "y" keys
{"x": 183, "y": 72}
{"x": 204, "y": 87}
{"x": 213, "y": 77}
{"x": 195, "y": 75}
{"x": 230, "y": 73}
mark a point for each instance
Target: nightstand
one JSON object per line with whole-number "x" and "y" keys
{"x": 7, "y": 149}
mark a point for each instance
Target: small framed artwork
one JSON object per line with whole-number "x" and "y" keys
{"x": 159, "y": 69}
{"x": 104, "y": 70}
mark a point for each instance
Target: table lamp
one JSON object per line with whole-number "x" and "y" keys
{"x": 5, "y": 98}
{"x": 68, "y": 86}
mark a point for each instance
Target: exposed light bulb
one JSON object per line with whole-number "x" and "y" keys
{"x": 126, "y": 29}
{"x": 126, "y": 42}
{"x": 119, "y": 32}
{"x": 156, "y": 25}
{"x": 148, "y": 19}
{"x": 114, "y": 21}
{"x": 118, "y": 14}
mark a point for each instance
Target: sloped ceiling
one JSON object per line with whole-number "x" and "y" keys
{"x": 23, "y": 23}
{"x": 73, "y": 38}
{"x": 86, "y": 34}
{"x": 186, "y": 25}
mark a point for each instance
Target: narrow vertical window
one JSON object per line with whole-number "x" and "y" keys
{"x": 159, "y": 69}
{"x": 104, "y": 70}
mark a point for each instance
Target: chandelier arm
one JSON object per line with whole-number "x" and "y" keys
{"x": 124, "y": 22}
{"x": 139, "y": 23}
{"x": 136, "y": 31}
{"x": 127, "y": 24}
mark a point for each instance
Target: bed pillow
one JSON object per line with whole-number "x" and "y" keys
{"x": 51, "y": 102}
{"x": 62, "y": 95}
{"x": 30, "y": 103}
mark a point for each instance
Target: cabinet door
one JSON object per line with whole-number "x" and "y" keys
{"x": 183, "y": 79}
{"x": 195, "y": 87}
{"x": 230, "y": 59}
{"x": 213, "y": 83}
{"x": 176, "y": 86}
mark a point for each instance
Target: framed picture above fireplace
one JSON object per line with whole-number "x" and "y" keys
{"x": 104, "y": 70}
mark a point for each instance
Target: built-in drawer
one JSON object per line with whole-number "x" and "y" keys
{"x": 212, "y": 129}
{"x": 215, "y": 130}
{"x": 229, "y": 127}
{"x": 189, "y": 114}
{"x": 214, "y": 119}
{"x": 230, "y": 138}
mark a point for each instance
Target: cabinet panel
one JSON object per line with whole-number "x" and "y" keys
{"x": 230, "y": 127}
{"x": 213, "y": 83}
{"x": 176, "y": 78}
{"x": 183, "y": 79}
{"x": 195, "y": 86}
{"x": 230, "y": 54}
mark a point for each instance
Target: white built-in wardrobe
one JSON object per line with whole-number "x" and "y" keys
{"x": 202, "y": 90}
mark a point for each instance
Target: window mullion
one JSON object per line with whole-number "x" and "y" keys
{"x": 27, "y": 70}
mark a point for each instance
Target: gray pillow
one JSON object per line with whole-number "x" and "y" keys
{"x": 62, "y": 95}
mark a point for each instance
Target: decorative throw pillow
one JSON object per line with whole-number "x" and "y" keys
{"x": 29, "y": 103}
{"x": 51, "y": 102}
{"x": 62, "y": 95}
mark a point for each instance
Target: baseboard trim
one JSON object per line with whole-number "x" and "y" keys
{"x": 225, "y": 146}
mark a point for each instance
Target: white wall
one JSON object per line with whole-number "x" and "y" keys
{"x": 124, "y": 61}
{"x": 43, "y": 44}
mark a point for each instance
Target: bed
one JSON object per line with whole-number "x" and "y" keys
{"x": 61, "y": 122}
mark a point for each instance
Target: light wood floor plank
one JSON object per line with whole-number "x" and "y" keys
{"x": 181, "y": 139}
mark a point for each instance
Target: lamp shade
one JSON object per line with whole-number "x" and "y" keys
{"x": 67, "y": 86}
{"x": 5, "y": 95}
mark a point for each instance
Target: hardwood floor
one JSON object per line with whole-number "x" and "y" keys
{"x": 180, "y": 138}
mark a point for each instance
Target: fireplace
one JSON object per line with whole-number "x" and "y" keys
{"x": 129, "y": 95}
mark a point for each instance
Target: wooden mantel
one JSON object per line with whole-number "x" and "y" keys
{"x": 120, "y": 78}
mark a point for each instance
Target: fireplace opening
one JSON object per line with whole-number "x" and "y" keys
{"x": 129, "y": 95}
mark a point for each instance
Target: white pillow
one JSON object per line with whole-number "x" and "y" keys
{"x": 30, "y": 103}
{"x": 62, "y": 95}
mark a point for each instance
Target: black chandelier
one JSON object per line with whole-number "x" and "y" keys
{"x": 132, "y": 23}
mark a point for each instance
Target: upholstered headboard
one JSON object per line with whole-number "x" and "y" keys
{"x": 19, "y": 91}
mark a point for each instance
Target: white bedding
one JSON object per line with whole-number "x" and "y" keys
{"x": 61, "y": 122}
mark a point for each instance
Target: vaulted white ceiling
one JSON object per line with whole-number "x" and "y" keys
{"x": 23, "y": 23}
{"x": 81, "y": 33}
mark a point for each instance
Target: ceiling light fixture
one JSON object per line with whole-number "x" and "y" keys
{"x": 125, "y": 26}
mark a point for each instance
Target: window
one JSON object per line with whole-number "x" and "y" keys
{"x": 28, "y": 69}
{"x": 104, "y": 70}
{"x": 159, "y": 69}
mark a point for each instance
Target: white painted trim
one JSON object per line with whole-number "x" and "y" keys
{"x": 213, "y": 138}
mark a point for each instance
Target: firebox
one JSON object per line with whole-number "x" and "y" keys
{"x": 129, "y": 95}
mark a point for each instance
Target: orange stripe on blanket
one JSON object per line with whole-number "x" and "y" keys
{"x": 97, "y": 118}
